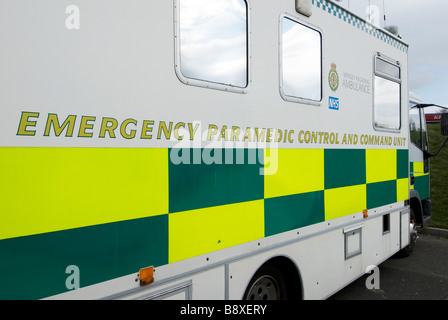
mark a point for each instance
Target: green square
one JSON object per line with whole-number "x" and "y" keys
{"x": 210, "y": 179}
{"x": 421, "y": 185}
{"x": 102, "y": 252}
{"x": 292, "y": 212}
{"x": 344, "y": 168}
{"x": 381, "y": 194}
{"x": 402, "y": 164}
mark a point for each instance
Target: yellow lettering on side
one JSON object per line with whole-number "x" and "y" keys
{"x": 53, "y": 120}
{"x": 223, "y": 134}
{"x": 279, "y": 136}
{"x": 176, "y": 130}
{"x": 301, "y": 136}
{"x": 259, "y": 136}
{"x": 247, "y": 135}
{"x": 268, "y": 135}
{"x": 147, "y": 127}
{"x": 192, "y": 131}
{"x": 290, "y": 138}
{"x": 25, "y": 123}
{"x": 123, "y": 127}
{"x": 212, "y": 130}
{"x": 163, "y": 128}
{"x": 235, "y": 134}
{"x": 326, "y": 138}
{"x": 109, "y": 128}
{"x": 85, "y": 125}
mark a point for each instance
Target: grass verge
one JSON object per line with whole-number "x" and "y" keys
{"x": 439, "y": 177}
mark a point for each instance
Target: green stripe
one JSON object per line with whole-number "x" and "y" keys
{"x": 204, "y": 179}
{"x": 381, "y": 194}
{"x": 402, "y": 164}
{"x": 421, "y": 184}
{"x": 344, "y": 168}
{"x": 33, "y": 267}
{"x": 291, "y": 212}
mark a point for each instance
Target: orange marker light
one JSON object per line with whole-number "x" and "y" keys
{"x": 366, "y": 215}
{"x": 146, "y": 276}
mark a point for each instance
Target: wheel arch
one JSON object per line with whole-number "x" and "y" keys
{"x": 416, "y": 205}
{"x": 289, "y": 270}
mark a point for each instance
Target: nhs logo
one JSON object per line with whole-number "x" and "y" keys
{"x": 334, "y": 103}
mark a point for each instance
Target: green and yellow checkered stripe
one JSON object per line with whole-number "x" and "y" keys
{"x": 421, "y": 179}
{"x": 319, "y": 185}
{"x": 112, "y": 211}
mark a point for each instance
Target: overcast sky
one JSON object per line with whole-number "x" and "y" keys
{"x": 423, "y": 25}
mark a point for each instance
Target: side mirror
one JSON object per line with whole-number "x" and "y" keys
{"x": 444, "y": 124}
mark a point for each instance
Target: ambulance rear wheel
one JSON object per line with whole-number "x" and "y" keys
{"x": 267, "y": 284}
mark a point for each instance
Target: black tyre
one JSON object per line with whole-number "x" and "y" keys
{"x": 268, "y": 283}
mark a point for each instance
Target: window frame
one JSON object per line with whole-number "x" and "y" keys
{"x": 423, "y": 132}
{"x": 207, "y": 83}
{"x": 389, "y": 77}
{"x": 419, "y": 129}
{"x": 281, "y": 86}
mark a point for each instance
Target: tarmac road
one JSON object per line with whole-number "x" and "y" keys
{"x": 422, "y": 276}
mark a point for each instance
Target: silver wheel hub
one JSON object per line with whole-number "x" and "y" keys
{"x": 413, "y": 231}
{"x": 264, "y": 288}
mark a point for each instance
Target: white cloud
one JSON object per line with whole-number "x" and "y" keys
{"x": 423, "y": 25}
{"x": 213, "y": 41}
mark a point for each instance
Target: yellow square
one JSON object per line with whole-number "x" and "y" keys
{"x": 66, "y": 188}
{"x": 402, "y": 189}
{"x": 381, "y": 165}
{"x": 419, "y": 169}
{"x": 298, "y": 171}
{"x": 196, "y": 232}
{"x": 341, "y": 202}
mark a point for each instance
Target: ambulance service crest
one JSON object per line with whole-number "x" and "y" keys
{"x": 333, "y": 78}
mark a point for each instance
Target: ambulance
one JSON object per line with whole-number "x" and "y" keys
{"x": 200, "y": 149}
